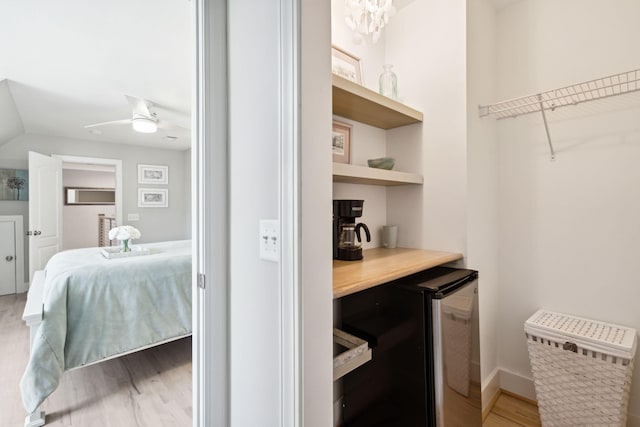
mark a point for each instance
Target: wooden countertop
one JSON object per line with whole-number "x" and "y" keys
{"x": 382, "y": 265}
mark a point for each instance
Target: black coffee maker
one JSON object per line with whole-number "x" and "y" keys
{"x": 346, "y": 233}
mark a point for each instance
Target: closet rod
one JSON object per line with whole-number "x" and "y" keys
{"x": 604, "y": 87}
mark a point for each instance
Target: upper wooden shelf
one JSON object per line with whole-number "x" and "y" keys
{"x": 355, "y": 174}
{"x": 383, "y": 265}
{"x": 358, "y": 103}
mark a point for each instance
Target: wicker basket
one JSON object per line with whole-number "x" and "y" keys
{"x": 581, "y": 369}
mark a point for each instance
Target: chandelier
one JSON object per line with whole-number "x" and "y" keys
{"x": 368, "y": 17}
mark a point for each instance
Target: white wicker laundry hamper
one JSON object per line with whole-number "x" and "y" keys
{"x": 581, "y": 369}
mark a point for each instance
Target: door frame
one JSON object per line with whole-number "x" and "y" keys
{"x": 211, "y": 220}
{"x": 18, "y": 220}
{"x": 103, "y": 162}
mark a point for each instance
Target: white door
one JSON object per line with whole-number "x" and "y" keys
{"x": 7, "y": 258}
{"x": 45, "y": 209}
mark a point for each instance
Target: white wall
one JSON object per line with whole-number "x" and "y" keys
{"x": 569, "y": 228}
{"x": 253, "y": 128}
{"x": 80, "y": 222}
{"x": 372, "y": 55}
{"x": 426, "y": 43}
{"x": 156, "y": 224}
{"x": 482, "y": 169}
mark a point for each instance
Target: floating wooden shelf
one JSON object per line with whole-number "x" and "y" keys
{"x": 356, "y": 102}
{"x": 354, "y": 174}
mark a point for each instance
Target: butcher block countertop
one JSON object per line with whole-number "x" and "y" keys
{"x": 381, "y": 265}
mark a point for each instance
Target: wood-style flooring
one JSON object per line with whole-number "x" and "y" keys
{"x": 147, "y": 388}
{"x": 143, "y": 389}
{"x": 511, "y": 411}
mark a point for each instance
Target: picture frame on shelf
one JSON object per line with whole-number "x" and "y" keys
{"x": 346, "y": 65}
{"x": 341, "y": 142}
{"x": 153, "y": 174}
{"x": 153, "y": 197}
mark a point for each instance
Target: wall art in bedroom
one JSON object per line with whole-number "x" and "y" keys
{"x": 153, "y": 174}
{"x": 153, "y": 198}
{"x": 14, "y": 184}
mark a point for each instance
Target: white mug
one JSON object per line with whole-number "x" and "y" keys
{"x": 389, "y": 236}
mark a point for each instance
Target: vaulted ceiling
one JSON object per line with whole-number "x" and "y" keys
{"x": 70, "y": 63}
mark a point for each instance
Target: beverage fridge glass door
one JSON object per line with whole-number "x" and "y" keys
{"x": 456, "y": 357}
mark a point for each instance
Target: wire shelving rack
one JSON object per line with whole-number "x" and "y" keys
{"x": 604, "y": 87}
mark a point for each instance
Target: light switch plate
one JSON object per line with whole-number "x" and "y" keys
{"x": 269, "y": 240}
{"x": 133, "y": 217}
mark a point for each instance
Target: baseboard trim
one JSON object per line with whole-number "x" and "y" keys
{"x": 517, "y": 384}
{"x": 490, "y": 392}
{"x": 519, "y": 397}
{"x": 22, "y": 288}
{"x": 489, "y": 407}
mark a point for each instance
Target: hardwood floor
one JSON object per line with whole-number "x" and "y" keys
{"x": 147, "y": 388}
{"x": 511, "y": 411}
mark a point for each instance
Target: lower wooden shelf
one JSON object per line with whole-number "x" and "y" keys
{"x": 365, "y": 175}
{"x": 357, "y": 354}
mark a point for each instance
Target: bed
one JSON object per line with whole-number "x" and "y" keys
{"x": 85, "y": 308}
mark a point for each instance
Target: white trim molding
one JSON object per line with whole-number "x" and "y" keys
{"x": 100, "y": 161}
{"x": 210, "y": 217}
{"x": 289, "y": 213}
{"x": 490, "y": 389}
{"x": 517, "y": 384}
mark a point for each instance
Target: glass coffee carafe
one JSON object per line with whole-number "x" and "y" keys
{"x": 349, "y": 243}
{"x": 348, "y": 240}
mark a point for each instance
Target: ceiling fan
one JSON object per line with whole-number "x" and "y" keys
{"x": 143, "y": 119}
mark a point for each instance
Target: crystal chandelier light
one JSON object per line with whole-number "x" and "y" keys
{"x": 368, "y": 17}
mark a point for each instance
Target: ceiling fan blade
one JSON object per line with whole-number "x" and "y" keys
{"x": 114, "y": 122}
{"x": 139, "y": 106}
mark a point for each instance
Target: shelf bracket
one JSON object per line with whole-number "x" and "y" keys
{"x": 546, "y": 127}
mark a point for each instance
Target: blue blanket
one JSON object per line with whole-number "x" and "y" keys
{"x": 95, "y": 308}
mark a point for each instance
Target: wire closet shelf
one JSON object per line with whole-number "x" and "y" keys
{"x": 604, "y": 87}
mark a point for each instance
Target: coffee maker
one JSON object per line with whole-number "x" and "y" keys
{"x": 346, "y": 233}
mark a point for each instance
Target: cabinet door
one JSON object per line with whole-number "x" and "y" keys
{"x": 7, "y": 258}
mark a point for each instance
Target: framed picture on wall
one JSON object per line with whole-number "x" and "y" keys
{"x": 153, "y": 174}
{"x": 346, "y": 65}
{"x": 153, "y": 197}
{"x": 14, "y": 184}
{"x": 341, "y": 142}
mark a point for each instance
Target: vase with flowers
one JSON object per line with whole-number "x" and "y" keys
{"x": 124, "y": 233}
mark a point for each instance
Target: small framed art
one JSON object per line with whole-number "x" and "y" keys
{"x": 341, "y": 142}
{"x": 153, "y": 174}
{"x": 346, "y": 65}
{"x": 153, "y": 197}
{"x": 14, "y": 184}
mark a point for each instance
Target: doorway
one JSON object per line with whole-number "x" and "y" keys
{"x": 47, "y": 215}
